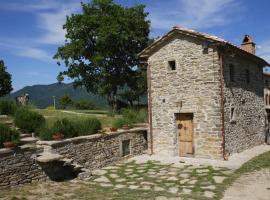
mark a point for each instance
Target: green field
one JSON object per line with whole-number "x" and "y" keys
{"x": 53, "y": 115}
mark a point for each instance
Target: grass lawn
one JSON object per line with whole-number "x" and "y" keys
{"x": 53, "y": 115}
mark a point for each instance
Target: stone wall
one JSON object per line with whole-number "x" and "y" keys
{"x": 247, "y": 127}
{"x": 195, "y": 83}
{"x": 19, "y": 167}
{"x": 101, "y": 150}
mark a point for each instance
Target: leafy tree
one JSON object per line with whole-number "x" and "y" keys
{"x": 65, "y": 101}
{"x": 101, "y": 47}
{"x": 5, "y": 80}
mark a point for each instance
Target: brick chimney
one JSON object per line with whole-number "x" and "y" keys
{"x": 248, "y": 44}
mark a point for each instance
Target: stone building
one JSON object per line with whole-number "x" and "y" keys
{"x": 205, "y": 95}
{"x": 267, "y": 97}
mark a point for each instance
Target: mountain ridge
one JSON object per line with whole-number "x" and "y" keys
{"x": 42, "y": 95}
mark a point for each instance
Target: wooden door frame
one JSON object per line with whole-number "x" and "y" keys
{"x": 177, "y": 133}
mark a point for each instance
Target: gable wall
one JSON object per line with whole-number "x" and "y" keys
{"x": 196, "y": 82}
{"x": 247, "y": 130}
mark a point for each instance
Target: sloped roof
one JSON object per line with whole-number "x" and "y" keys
{"x": 205, "y": 36}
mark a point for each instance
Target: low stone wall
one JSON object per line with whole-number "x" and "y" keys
{"x": 100, "y": 150}
{"x": 18, "y": 167}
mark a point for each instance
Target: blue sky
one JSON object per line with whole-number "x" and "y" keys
{"x": 31, "y": 30}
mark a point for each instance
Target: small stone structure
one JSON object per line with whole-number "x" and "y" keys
{"x": 23, "y": 99}
{"x": 205, "y": 95}
{"x": 22, "y": 166}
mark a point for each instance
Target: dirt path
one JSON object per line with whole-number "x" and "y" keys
{"x": 252, "y": 186}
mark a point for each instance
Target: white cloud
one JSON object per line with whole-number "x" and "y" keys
{"x": 19, "y": 48}
{"x": 52, "y": 23}
{"x": 195, "y": 14}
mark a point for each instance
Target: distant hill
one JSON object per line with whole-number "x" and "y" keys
{"x": 42, "y": 95}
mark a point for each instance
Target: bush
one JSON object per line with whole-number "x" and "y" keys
{"x": 111, "y": 113}
{"x": 7, "y": 107}
{"x": 88, "y": 126}
{"x": 45, "y": 133}
{"x": 8, "y": 135}
{"x": 65, "y": 127}
{"x": 134, "y": 115}
{"x": 28, "y": 120}
{"x": 85, "y": 105}
{"x": 70, "y": 129}
{"x": 120, "y": 122}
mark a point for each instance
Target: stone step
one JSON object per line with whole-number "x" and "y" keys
{"x": 28, "y": 140}
{"x": 28, "y": 146}
{"x": 24, "y": 135}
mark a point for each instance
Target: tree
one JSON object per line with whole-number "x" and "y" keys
{"x": 5, "y": 80}
{"x": 101, "y": 47}
{"x": 65, "y": 101}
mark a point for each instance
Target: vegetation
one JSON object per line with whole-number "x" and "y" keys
{"x": 8, "y": 135}
{"x": 102, "y": 56}
{"x": 5, "y": 80}
{"x": 130, "y": 117}
{"x": 84, "y": 105}
{"x": 70, "y": 128}
{"x": 65, "y": 101}
{"x": 28, "y": 120}
{"x": 7, "y": 107}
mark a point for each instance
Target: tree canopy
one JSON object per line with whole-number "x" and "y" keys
{"x": 101, "y": 47}
{"x": 5, "y": 80}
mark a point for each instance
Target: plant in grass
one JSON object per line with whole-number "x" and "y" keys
{"x": 87, "y": 126}
{"x": 65, "y": 127}
{"x": 8, "y": 135}
{"x": 120, "y": 122}
{"x": 7, "y": 107}
{"x": 134, "y": 115}
{"x": 28, "y": 120}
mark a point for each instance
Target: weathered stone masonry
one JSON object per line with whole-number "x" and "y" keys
{"x": 19, "y": 167}
{"x": 196, "y": 83}
{"x": 94, "y": 151}
{"x": 248, "y": 127}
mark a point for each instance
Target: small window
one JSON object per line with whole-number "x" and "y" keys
{"x": 125, "y": 148}
{"x": 232, "y": 114}
{"x": 231, "y": 68}
{"x": 172, "y": 65}
{"x": 247, "y": 77}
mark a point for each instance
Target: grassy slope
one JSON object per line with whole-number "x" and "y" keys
{"x": 260, "y": 162}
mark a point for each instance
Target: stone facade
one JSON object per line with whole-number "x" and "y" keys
{"x": 19, "y": 167}
{"x": 91, "y": 152}
{"x": 245, "y": 97}
{"x": 97, "y": 151}
{"x": 199, "y": 84}
{"x": 196, "y": 83}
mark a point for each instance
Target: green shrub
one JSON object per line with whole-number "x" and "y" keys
{"x": 111, "y": 113}
{"x": 134, "y": 115}
{"x": 120, "y": 122}
{"x": 7, "y": 107}
{"x": 45, "y": 133}
{"x": 28, "y": 120}
{"x": 8, "y": 135}
{"x": 85, "y": 105}
{"x": 87, "y": 126}
{"x": 50, "y": 108}
{"x": 65, "y": 127}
